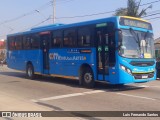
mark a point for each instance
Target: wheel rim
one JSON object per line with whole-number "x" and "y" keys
{"x": 88, "y": 77}
{"x": 30, "y": 72}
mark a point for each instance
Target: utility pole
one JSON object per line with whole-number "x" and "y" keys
{"x": 54, "y": 11}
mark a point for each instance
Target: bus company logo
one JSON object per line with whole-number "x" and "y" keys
{"x": 141, "y": 70}
{"x": 150, "y": 69}
{"x": 51, "y": 56}
{"x": 138, "y": 70}
{"x": 56, "y": 56}
{"x": 135, "y": 69}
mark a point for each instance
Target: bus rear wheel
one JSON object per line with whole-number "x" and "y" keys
{"x": 30, "y": 71}
{"x": 87, "y": 78}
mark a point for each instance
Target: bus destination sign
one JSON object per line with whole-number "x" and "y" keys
{"x": 135, "y": 23}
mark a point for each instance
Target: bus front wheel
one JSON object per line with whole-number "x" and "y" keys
{"x": 87, "y": 78}
{"x": 30, "y": 71}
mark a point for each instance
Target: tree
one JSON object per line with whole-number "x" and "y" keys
{"x": 132, "y": 9}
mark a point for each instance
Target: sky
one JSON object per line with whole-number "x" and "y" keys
{"x": 21, "y": 15}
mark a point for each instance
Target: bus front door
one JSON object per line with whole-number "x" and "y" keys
{"x": 102, "y": 53}
{"x": 45, "y": 52}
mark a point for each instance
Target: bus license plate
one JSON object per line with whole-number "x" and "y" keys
{"x": 144, "y": 76}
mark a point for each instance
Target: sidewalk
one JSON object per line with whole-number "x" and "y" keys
{"x": 12, "y": 103}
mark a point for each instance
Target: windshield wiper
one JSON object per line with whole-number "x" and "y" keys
{"x": 136, "y": 37}
{"x": 146, "y": 34}
{"x": 146, "y": 40}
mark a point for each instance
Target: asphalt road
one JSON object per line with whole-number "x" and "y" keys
{"x": 54, "y": 94}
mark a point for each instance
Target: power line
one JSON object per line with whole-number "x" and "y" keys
{"x": 32, "y": 12}
{"x": 38, "y": 23}
{"x": 26, "y": 14}
{"x": 95, "y": 14}
{"x": 153, "y": 11}
{"x": 31, "y": 26}
{"x": 87, "y": 15}
{"x": 150, "y": 3}
{"x": 54, "y": 4}
{"x": 151, "y": 15}
{"x": 153, "y": 18}
{"x": 51, "y": 2}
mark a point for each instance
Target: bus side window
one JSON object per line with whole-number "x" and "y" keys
{"x": 18, "y": 43}
{"x": 11, "y": 43}
{"x": 57, "y": 39}
{"x": 99, "y": 35}
{"x": 35, "y": 42}
{"x": 106, "y": 39}
{"x": 26, "y": 42}
{"x": 84, "y": 37}
{"x": 69, "y": 39}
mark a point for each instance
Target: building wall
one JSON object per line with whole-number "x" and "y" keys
{"x": 2, "y": 50}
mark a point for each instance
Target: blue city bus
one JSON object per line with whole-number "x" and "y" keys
{"x": 118, "y": 50}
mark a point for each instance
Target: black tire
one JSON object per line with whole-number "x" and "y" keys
{"x": 87, "y": 78}
{"x": 30, "y": 72}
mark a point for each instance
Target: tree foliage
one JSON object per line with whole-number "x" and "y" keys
{"x": 131, "y": 10}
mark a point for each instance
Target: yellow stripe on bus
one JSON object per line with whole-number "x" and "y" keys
{"x": 142, "y": 72}
{"x": 135, "y": 18}
{"x": 62, "y": 76}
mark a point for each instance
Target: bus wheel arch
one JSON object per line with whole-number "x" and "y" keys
{"x": 86, "y": 76}
{"x": 30, "y": 70}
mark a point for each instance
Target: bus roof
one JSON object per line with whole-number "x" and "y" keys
{"x": 63, "y": 26}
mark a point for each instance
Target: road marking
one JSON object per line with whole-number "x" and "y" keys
{"x": 136, "y": 96}
{"x": 155, "y": 86}
{"x": 144, "y": 86}
{"x": 68, "y": 95}
{"x": 149, "y": 86}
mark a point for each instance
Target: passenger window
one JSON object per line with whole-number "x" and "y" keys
{"x": 106, "y": 39}
{"x": 18, "y": 43}
{"x": 11, "y": 43}
{"x": 69, "y": 38}
{"x": 26, "y": 42}
{"x": 57, "y": 39}
{"x": 35, "y": 41}
{"x": 84, "y": 37}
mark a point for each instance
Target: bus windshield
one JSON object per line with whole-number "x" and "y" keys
{"x": 137, "y": 44}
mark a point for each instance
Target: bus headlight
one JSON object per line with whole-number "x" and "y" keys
{"x": 129, "y": 71}
{"x": 125, "y": 69}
